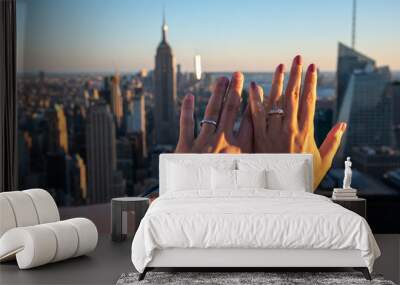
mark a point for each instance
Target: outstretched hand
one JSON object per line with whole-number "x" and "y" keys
{"x": 223, "y": 108}
{"x": 284, "y": 124}
{"x": 293, "y": 130}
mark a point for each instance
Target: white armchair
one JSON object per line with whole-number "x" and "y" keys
{"x": 31, "y": 230}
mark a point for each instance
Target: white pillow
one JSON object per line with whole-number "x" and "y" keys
{"x": 251, "y": 178}
{"x": 281, "y": 174}
{"x": 292, "y": 179}
{"x": 188, "y": 177}
{"x": 223, "y": 179}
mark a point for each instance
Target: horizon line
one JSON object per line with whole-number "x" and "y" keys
{"x": 148, "y": 70}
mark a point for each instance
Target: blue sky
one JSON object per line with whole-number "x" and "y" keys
{"x": 253, "y": 35}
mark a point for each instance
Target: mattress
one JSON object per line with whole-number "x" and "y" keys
{"x": 250, "y": 219}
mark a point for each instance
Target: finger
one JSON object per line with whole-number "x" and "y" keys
{"x": 331, "y": 144}
{"x": 214, "y": 105}
{"x": 258, "y": 114}
{"x": 245, "y": 134}
{"x": 186, "y": 124}
{"x": 308, "y": 99}
{"x": 292, "y": 94}
{"x": 231, "y": 104}
{"x": 274, "y": 122}
{"x": 277, "y": 87}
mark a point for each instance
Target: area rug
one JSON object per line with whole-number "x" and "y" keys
{"x": 225, "y": 278}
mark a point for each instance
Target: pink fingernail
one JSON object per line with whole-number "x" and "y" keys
{"x": 344, "y": 127}
{"x": 190, "y": 97}
{"x": 280, "y": 68}
{"x": 298, "y": 59}
{"x": 237, "y": 75}
{"x": 313, "y": 67}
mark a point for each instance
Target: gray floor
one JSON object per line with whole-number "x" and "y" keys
{"x": 103, "y": 266}
{"x": 110, "y": 260}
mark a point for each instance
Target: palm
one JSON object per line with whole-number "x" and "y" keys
{"x": 311, "y": 147}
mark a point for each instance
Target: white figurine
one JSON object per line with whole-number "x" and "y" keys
{"x": 347, "y": 174}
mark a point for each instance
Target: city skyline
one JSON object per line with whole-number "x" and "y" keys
{"x": 97, "y": 35}
{"x": 73, "y": 135}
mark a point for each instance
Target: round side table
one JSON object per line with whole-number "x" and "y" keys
{"x": 121, "y": 209}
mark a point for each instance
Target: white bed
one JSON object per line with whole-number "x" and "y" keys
{"x": 216, "y": 224}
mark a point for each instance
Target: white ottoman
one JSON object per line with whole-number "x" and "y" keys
{"x": 31, "y": 230}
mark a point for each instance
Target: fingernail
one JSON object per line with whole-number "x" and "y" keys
{"x": 253, "y": 85}
{"x": 298, "y": 59}
{"x": 190, "y": 97}
{"x": 237, "y": 75}
{"x": 280, "y": 68}
{"x": 313, "y": 67}
{"x": 344, "y": 127}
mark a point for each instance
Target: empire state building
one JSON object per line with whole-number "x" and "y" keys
{"x": 165, "y": 93}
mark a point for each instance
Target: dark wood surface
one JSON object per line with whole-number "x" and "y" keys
{"x": 102, "y": 266}
{"x": 358, "y": 206}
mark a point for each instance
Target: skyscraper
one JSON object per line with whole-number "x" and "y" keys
{"x": 165, "y": 93}
{"x": 105, "y": 181}
{"x": 348, "y": 61}
{"x": 394, "y": 93}
{"x": 86, "y": 97}
{"x": 178, "y": 77}
{"x": 126, "y": 162}
{"x": 136, "y": 119}
{"x": 79, "y": 178}
{"x": 116, "y": 99}
{"x": 57, "y": 136}
{"x": 366, "y": 108}
{"x": 136, "y": 116}
{"x": 58, "y": 166}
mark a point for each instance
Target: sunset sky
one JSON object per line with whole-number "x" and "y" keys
{"x": 254, "y": 35}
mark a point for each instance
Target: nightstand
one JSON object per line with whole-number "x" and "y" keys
{"x": 121, "y": 209}
{"x": 358, "y": 206}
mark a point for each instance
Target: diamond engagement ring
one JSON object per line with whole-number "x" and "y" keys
{"x": 276, "y": 111}
{"x": 211, "y": 122}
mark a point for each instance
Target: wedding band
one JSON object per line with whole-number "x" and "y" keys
{"x": 205, "y": 121}
{"x": 276, "y": 111}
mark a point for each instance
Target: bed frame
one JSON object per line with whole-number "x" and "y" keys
{"x": 260, "y": 259}
{"x": 246, "y": 259}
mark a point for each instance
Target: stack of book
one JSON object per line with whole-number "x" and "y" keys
{"x": 344, "y": 194}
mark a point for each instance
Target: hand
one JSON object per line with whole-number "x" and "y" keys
{"x": 222, "y": 109}
{"x": 293, "y": 131}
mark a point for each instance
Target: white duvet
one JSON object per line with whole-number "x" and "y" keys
{"x": 255, "y": 218}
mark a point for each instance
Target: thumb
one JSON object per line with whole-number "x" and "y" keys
{"x": 328, "y": 150}
{"x": 331, "y": 143}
